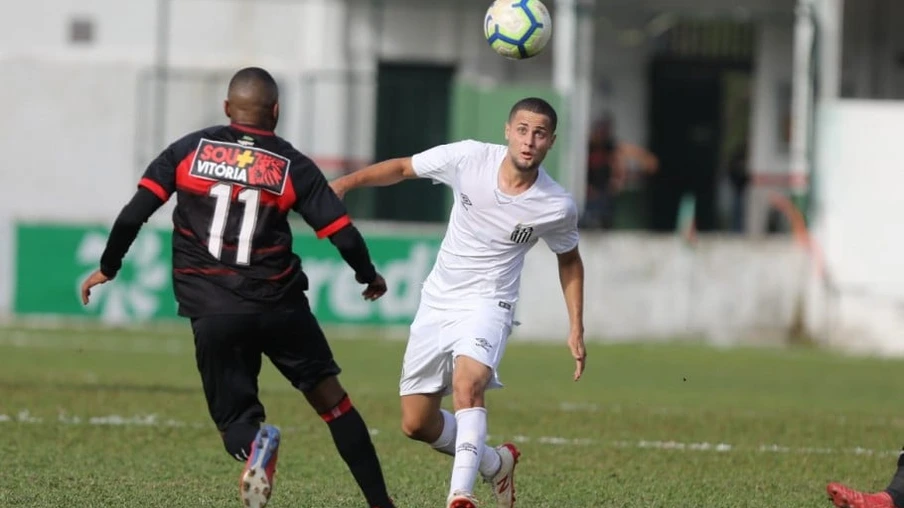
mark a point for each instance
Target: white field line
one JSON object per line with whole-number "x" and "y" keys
{"x": 583, "y": 407}
{"x": 152, "y": 420}
{"x": 101, "y": 342}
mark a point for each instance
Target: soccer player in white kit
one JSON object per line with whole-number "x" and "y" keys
{"x": 504, "y": 203}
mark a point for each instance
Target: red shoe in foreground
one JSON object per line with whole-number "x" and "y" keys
{"x": 845, "y": 497}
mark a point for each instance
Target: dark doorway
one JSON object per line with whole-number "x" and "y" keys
{"x": 685, "y": 135}
{"x": 699, "y": 114}
{"x": 413, "y": 110}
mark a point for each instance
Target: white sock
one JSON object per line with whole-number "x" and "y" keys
{"x": 446, "y": 442}
{"x": 489, "y": 463}
{"x": 471, "y": 435}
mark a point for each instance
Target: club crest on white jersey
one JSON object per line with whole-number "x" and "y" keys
{"x": 522, "y": 233}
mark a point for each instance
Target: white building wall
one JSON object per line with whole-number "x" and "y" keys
{"x": 75, "y": 133}
{"x": 325, "y": 52}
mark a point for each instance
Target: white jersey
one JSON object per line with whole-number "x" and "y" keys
{"x": 489, "y": 232}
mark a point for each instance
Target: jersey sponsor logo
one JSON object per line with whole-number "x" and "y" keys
{"x": 522, "y": 233}
{"x": 244, "y": 165}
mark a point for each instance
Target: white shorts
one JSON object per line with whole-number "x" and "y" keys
{"x": 438, "y": 336}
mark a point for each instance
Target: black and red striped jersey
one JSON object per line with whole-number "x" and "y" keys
{"x": 232, "y": 245}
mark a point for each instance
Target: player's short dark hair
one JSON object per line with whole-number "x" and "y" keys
{"x": 538, "y": 106}
{"x": 258, "y": 80}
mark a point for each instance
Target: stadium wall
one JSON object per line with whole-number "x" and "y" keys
{"x": 722, "y": 290}
{"x": 7, "y": 253}
{"x": 856, "y": 296}
{"x": 639, "y": 287}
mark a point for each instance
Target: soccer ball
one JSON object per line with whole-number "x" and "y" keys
{"x": 517, "y": 29}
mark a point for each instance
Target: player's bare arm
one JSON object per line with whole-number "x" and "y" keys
{"x": 571, "y": 275}
{"x": 323, "y": 210}
{"x": 382, "y": 174}
{"x": 126, "y": 227}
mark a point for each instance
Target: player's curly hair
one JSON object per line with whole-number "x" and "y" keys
{"x": 538, "y": 106}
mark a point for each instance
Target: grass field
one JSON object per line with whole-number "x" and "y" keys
{"x": 107, "y": 418}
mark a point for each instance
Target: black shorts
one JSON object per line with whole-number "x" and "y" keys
{"x": 228, "y": 351}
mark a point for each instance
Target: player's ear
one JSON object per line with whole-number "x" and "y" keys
{"x": 226, "y": 108}
{"x": 275, "y": 114}
{"x": 506, "y": 130}
{"x": 552, "y": 140}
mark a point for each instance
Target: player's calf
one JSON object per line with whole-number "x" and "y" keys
{"x": 469, "y": 380}
{"x": 352, "y": 439}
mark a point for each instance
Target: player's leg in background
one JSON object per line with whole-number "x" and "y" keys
{"x": 423, "y": 419}
{"x": 298, "y": 348}
{"x": 843, "y": 496}
{"x": 895, "y": 487}
{"x": 229, "y": 368}
{"x": 426, "y": 378}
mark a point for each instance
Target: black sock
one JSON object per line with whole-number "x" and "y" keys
{"x": 238, "y": 438}
{"x": 357, "y": 450}
{"x": 896, "y": 486}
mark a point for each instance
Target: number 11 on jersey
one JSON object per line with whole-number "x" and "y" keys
{"x": 223, "y": 194}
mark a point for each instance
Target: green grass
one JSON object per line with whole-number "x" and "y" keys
{"x": 630, "y": 434}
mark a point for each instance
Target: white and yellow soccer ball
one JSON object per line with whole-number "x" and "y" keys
{"x": 517, "y": 29}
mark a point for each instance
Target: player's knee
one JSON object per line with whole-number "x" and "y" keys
{"x": 416, "y": 427}
{"x": 468, "y": 393}
{"x": 325, "y": 395}
{"x": 469, "y": 381}
{"x": 237, "y": 439}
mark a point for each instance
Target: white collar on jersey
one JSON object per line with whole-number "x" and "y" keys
{"x": 506, "y": 199}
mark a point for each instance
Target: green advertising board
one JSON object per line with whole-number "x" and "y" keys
{"x": 52, "y": 260}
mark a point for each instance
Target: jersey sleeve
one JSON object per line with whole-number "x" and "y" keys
{"x": 318, "y": 205}
{"x": 564, "y": 236}
{"x": 441, "y": 163}
{"x": 160, "y": 175}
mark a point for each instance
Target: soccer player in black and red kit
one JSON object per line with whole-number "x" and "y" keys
{"x": 238, "y": 281}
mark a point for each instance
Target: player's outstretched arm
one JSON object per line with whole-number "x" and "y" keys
{"x": 353, "y": 249}
{"x": 125, "y": 229}
{"x": 571, "y": 275}
{"x": 382, "y": 174}
{"x": 324, "y": 212}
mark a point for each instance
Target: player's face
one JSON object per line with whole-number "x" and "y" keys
{"x": 529, "y": 137}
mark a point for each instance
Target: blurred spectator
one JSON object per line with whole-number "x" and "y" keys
{"x": 739, "y": 177}
{"x": 609, "y": 165}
